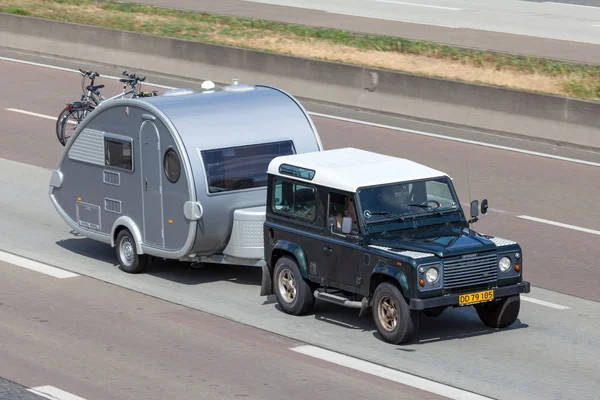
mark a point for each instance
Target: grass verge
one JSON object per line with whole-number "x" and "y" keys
{"x": 418, "y": 57}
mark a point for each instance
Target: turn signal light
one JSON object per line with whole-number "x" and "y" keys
{"x": 421, "y": 282}
{"x": 517, "y": 267}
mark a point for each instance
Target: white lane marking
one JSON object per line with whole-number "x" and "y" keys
{"x": 535, "y": 153}
{"x": 544, "y": 303}
{"x": 35, "y": 266}
{"x": 77, "y": 71}
{"x": 474, "y": 142}
{"x": 36, "y": 114}
{"x": 31, "y": 113}
{"x": 392, "y": 19}
{"x": 560, "y": 224}
{"x": 52, "y": 393}
{"x": 387, "y": 373}
{"x": 418, "y": 5}
{"x": 571, "y": 5}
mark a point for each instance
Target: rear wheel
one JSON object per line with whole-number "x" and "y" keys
{"x": 293, "y": 293}
{"x": 71, "y": 121}
{"x": 129, "y": 260}
{"x": 394, "y": 319}
{"x": 59, "y": 122}
{"x": 500, "y": 314}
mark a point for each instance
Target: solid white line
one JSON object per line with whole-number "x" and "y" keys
{"x": 544, "y": 303}
{"x": 387, "y": 373}
{"x": 545, "y": 221}
{"x": 571, "y": 5}
{"x": 418, "y": 5}
{"x": 77, "y": 71}
{"x": 375, "y": 125}
{"x": 50, "y": 392}
{"x": 435, "y": 135}
{"x": 35, "y": 266}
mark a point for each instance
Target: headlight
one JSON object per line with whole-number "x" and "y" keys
{"x": 431, "y": 275}
{"x": 504, "y": 264}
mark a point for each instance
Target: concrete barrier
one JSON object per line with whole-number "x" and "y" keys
{"x": 549, "y": 118}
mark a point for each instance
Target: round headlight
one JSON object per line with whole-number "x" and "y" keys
{"x": 504, "y": 264}
{"x": 431, "y": 275}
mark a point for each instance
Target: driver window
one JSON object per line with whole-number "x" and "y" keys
{"x": 341, "y": 206}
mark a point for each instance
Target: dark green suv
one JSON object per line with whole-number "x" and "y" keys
{"x": 362, "y": 229}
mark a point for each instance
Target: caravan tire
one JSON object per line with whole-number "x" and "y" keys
{"x": 129, "y": 260}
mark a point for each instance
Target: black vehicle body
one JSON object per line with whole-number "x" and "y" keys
{"x": 348, "y": 268}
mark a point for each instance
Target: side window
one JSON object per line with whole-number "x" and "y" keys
{"x": 242, "y": 167}
{"x": 340, "y": 206}
{"x": 295, "y": 199}
{"x": 172, "y": 166}
{"x": 118, "y": 153}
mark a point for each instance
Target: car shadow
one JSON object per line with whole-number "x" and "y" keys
{"x": 452, "y": 324}
{"x": 179, "y": 272}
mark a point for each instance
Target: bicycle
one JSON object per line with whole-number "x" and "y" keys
{"x": 81, "y": 109}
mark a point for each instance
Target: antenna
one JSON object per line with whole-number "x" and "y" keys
{"x": 469, "y": 190}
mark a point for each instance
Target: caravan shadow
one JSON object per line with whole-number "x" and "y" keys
{"x": 170, "y": 270}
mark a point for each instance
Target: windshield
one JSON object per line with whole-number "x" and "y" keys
{"x": 406, "y": 200}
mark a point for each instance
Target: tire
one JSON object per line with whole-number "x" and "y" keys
{"x": 401, "y": 327}
{"x": 287, "y": 278}
{"x": 75, "y": 116}
{"x": 129, "y": 260}
{"x": 500, "y": 314}
{"x": 59, "y": 121}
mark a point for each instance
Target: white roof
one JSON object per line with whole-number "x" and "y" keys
{"x": 349, "y": 168}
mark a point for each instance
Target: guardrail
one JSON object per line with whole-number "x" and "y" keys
{"x": 554, "y": 119}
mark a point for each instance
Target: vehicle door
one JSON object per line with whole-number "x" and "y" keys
{"x": 341, "y": 252}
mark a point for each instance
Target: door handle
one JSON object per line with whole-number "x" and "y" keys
{"x": 327, "y": 250}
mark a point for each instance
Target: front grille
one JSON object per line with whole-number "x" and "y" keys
{"x": 470, "y": 271}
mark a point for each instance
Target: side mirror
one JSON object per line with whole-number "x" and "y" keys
{"x": 475, "y": 208}
{"x": 346, "y": 225}
{"x": 484, "y": 206}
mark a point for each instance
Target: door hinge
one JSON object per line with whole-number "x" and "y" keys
{"x": 358, "y": 281}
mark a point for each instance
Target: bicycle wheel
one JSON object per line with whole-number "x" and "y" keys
{"x": 59, "y": 122}
{"x": 71, "y": 121}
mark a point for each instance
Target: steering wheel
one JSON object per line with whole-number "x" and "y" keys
{"x": 437, "y": 203}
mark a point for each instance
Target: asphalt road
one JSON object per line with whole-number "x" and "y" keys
{"x": 559, "y": 30}
{"x": 100, "y": 341}
{"x": 550, "y": 353}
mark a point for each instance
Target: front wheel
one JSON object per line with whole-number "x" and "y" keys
{"x": 129, "y": 260}
{"x": 500, "y": 314}
{"x": 394, "y": 319}
{"x": 293, "y": 293}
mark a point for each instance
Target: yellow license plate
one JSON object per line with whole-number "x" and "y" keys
{"x": 477, "y": 297}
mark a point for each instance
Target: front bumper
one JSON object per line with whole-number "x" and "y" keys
{"x": 452, "y": 299}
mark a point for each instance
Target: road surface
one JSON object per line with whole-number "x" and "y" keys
{"x": 551, "y": 352}
{"x": 566, "y": 29}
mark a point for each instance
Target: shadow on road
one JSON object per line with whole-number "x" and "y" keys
{"x": 174, "y": 271}
{"x": 453, "y": 324}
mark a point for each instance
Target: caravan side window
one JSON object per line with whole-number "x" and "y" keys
{"x": 295, "y": 199}
{"x": 118, "y": 153}
{"x": 241, "y": 167}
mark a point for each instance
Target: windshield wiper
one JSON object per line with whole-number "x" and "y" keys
{"x": 426, "y": 207}
{"x": 395, "y": 216}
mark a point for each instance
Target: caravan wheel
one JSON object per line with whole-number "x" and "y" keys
{"x": 129, "y": 260}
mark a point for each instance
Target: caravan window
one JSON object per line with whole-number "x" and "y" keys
{"x": 242, "y": 167}
{"x": 118, "y": 153}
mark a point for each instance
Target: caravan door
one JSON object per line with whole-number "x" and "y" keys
{"x": 152, "y": 202}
